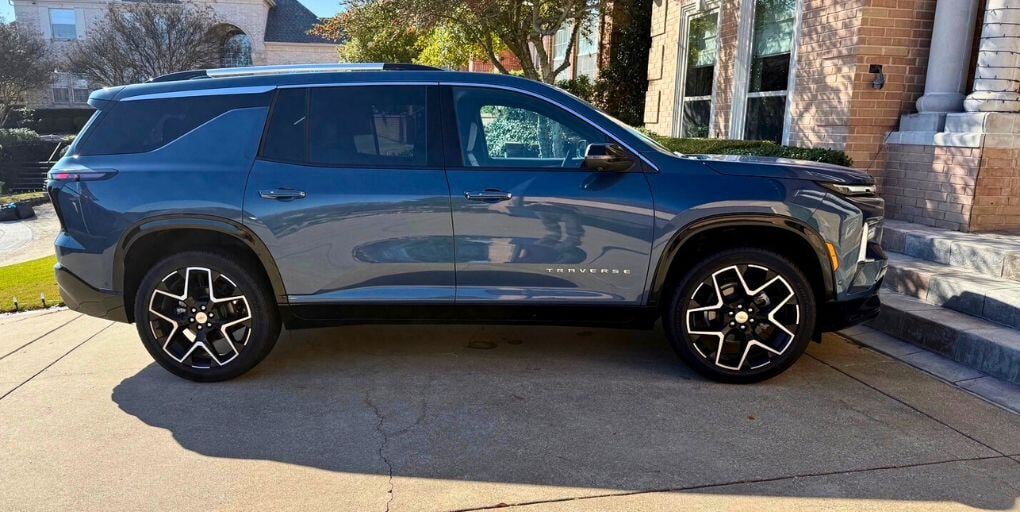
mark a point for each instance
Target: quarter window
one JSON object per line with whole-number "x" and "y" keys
{"x": 144, "y": 125}
{"x": 63, "y": 24}
{"x": 285, "y": 135}
{"x": 502, "y": 129}
{"x": 774, "y": 25}
{"x": 700, "y": 75}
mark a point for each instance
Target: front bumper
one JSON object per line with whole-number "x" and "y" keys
{"x": 81, "y": 297}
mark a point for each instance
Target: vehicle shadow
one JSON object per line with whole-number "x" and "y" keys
{"x": 571, "y": 407}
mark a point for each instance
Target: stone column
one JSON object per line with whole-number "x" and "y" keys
{"x": 951, "y": 41}
{"x": 997, "y": 80}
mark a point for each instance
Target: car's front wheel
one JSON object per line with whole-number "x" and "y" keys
{"x": 741, "y": 316}
{"x": 205, "y": 317}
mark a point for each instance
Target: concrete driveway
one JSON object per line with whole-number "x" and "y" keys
{"x": 468, "y": 418}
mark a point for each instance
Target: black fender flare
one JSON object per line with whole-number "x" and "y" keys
{"x": 689, "y": 231}
{"x": 208, "y": 223}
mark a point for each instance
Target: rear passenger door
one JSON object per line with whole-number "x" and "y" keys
{"x": 350, "y": 196}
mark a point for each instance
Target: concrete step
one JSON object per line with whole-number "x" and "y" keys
{"x": 975, "y": 342}
{"x": 966, "y": 291}
{"x": 994, "y": 255}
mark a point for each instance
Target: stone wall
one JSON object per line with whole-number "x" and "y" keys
{"x": 299, "y": 53}
{"x": 930, "y": 185}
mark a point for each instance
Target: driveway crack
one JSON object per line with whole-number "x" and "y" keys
{"x": 382, "y": 446}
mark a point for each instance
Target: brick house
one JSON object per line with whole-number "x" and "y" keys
{"x": 257, "y": 32}
{"x": 940, "y": 135}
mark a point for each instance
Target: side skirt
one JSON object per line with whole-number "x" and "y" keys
{"x": 326, "y": 315}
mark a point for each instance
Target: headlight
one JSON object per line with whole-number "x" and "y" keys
{"x": 850, "y": 190}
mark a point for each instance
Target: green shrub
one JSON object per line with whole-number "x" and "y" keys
{"x": 751, "y": 148}
{"x": 583, "y": 87}
{"x": 17, "y": 136}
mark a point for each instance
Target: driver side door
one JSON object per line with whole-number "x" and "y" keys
{"x": 530, "y": 222}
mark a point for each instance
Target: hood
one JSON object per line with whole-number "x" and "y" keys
{"x": 771, "y": 167}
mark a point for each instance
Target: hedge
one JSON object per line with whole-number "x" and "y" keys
{"x": 751, "y": 148}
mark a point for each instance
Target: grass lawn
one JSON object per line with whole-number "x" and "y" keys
{"x": 30, "y": 197}
{"x": 26, "y": 281}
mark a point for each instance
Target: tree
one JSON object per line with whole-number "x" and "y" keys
{"x": 138, "y": 41}
{"x": 25, "y": 64}
{"x": 519, "y": 26}
{"x": 370, "y": 32}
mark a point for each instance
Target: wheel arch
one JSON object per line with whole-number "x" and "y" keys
{"x": 138, "y": 247}
{"x": 785, "y": 235}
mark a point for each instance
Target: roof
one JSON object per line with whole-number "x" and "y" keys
{"x": 289, "y": 22}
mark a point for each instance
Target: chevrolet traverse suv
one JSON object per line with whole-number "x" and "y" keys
{"x": 212, "y": 207}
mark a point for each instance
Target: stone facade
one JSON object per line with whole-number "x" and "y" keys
{"x": 253, "y": 18}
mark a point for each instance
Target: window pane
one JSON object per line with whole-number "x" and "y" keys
{"x": 697, "y": 115}
{"x": 81, "y": 95}
{"x": 62, "y": 24}
{"x": 61, "y": 95}
{"x": 506, "y": 129}
{"x": 368, "y": 126}
{"x": 144, "y": 125}
{"x": 765, "y": 118}
{"x": 773, "y": 39}
{"x": 285, "y": 136}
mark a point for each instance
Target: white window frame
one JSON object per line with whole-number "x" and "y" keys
{"x": 74, "y": 14}
{"x": 742, "y": 75}
{"x": 691, "y": 11}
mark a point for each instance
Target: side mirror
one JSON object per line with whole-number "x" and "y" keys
{"x": 607, "y": 158}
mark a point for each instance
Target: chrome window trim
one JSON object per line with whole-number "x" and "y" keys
{"x": 193, "y": 93}
{"x": 562, "y": 106}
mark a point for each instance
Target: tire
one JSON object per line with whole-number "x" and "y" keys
{"x": 241, "y": 320}
{"x": 731, "y": 336}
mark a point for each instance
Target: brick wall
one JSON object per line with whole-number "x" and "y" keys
{"x": 895, "y": 34}
{"x": 997, "y": 192}
{"x": 827, "y": 62}
{"x": 931, "y": 185}
{"x": 299, "y": 53}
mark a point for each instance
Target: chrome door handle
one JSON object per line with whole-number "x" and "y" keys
{"x": 490, "y": 196}
{"x": 282, "y": 194}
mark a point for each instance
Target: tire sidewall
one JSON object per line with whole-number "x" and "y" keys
{"x": 265, "y": 326}
{"x": 676, "y": 326}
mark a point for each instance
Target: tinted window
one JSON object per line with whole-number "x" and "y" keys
{"x": 144, "y": 125}
{"x": 383, "y": 126}
{"x": 285, "y": 136}
{"x": 500, "y": 128}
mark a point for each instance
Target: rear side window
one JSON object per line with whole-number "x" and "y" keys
{"x": 144, "y": 125}
{"x": 374, "y": 126}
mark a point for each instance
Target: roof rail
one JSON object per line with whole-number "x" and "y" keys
{"x": 313, "y": 68}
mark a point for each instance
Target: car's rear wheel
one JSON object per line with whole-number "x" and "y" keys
{"x": 741, "y": 316}
{"x": 205, "y": 317}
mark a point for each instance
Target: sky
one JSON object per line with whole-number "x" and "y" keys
{"x": 321, "y": 8}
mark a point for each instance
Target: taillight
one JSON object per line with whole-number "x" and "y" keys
{"x": 80, "y": 176}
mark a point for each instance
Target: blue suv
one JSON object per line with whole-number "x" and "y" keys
{"x": 212, "y": 207}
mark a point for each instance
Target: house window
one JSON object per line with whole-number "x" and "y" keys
{"x": 81, "y": 95}
{"x": 696, "y": 108}
{"x": 63, "y": 24}
{"x": 770, "y": 63}
{"x": 61, "y": 94}
{"x": 588, "y": 46}
{"x": 237, "y": 50}
{"x": 560, "y": 43}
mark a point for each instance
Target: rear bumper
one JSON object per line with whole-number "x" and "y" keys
{"x": 81, "y": 297}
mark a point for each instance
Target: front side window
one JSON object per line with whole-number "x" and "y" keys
{"x": 501, "y": 129}
{"x": 63, "y": 24}
{"x": 772, "y": 44}
{"x": 702, "y": 36}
